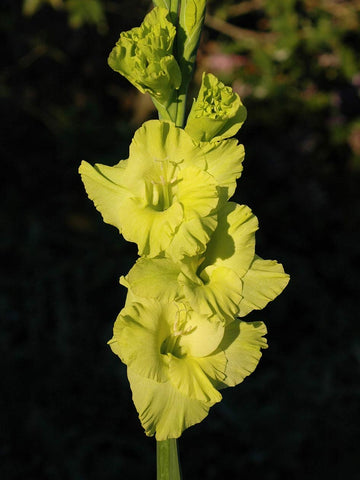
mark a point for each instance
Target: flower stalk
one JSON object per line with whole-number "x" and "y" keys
{"x": 167, "y": 460}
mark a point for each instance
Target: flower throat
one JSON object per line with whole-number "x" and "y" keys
{"x": 160, "y": 190}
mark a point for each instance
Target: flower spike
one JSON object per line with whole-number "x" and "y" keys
{"x": 181, "y": 333}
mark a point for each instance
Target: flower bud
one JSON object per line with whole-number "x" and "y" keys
{"x": 144, "y": 56}
{"x": 217, "y": 113}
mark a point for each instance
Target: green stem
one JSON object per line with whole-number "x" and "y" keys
{"x": 174, "y": 8}
{"x": 181, "y": 106}
{"x": 166, "y": 113}
{"x": 167, "y": 461}
{"x": 174, "y": 13}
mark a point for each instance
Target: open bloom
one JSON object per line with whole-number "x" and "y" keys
{"x": 178, "y": 359}
{"x": 228, "y": 279}
{"x": 217, "y": 113}
{"x": 165, "y": 196}
{"x": 144, "y": 55}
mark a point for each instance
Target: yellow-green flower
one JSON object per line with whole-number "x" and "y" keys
{"x": 144, "y": 55}
{"x": 217, "y": 113}
{"x": 228, "y": 279}
{"x": 165, "y": 196}
{"x": 178, "y": 359}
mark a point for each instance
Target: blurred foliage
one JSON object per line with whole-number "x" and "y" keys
{"x": 80, "y": 12}
{"x": 66, "y": 411}
{"x": 296, "y": 52}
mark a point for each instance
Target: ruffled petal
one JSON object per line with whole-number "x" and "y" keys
{"x": 233, "y": 242}
{"x": 162, "y": 409}
{"x": 157, "y": 141}
{"x": 205, "y": 335}
{"x": 105, "y": 187}
{"x": 224, "y": 162}
{"x": 155, "y": 278}
{"x": 189, "y": 378}
{"x": 150, "y": 229}
{"x": 197, "y": 192}
{"x": 139, "y": 331}
{"x": 221, "y": 293}
{"x": 242, "y": 345}
{"x": 113, "y": 344}
{"x": 263, "y": 282}
{"x": 192, "y": 237}
{"x": 198, "y": 195}
{"x": 214, "y": 366}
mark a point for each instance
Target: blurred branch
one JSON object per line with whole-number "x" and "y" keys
{"x": 237, "y": 33}
{"x": 334, "y": 7}
{"x": 244, "y": 7}
{"x": 31, "y": 6}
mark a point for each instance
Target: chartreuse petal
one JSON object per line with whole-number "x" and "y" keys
{"x": 104, "y": 187}
{"x": 158, "y": 146}
{"x": 224, "y": 162}
{"x": 192, "y": 237}
{"x": 242, "y": 344}
{"x": 189, "y": 379}
{"x": 139, "y": 332}
{"x": 197, "y": 192}
{"x": 154, "y": 278}
{"x": 158, "y": 278}
{"x": 157, "y": 227}
{"x": 204, "y": 335}
{"x": 233, "y": 242}
{"x": 218, "y": 291}
{"x": 217, "y": 286}
{"x": 144, "y": 55}
{"x": 217, "y": 113}
{"x": 114, "y": 346}
{"x": 211, "y": 282}
{"x": 263, "y": 282}
{"x": 163, "y": 410}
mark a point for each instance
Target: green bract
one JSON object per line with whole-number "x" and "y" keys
{"x": 191, "y": 19}
{"x": 178, "y": 359}
{"x": 217, "y": 113}
{"x": 228, "y": 279}
{"x": 144, "y": 55}
{"x": 169, "y": 186}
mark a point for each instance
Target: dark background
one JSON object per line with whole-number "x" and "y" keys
{"x": 65, "y": 404}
